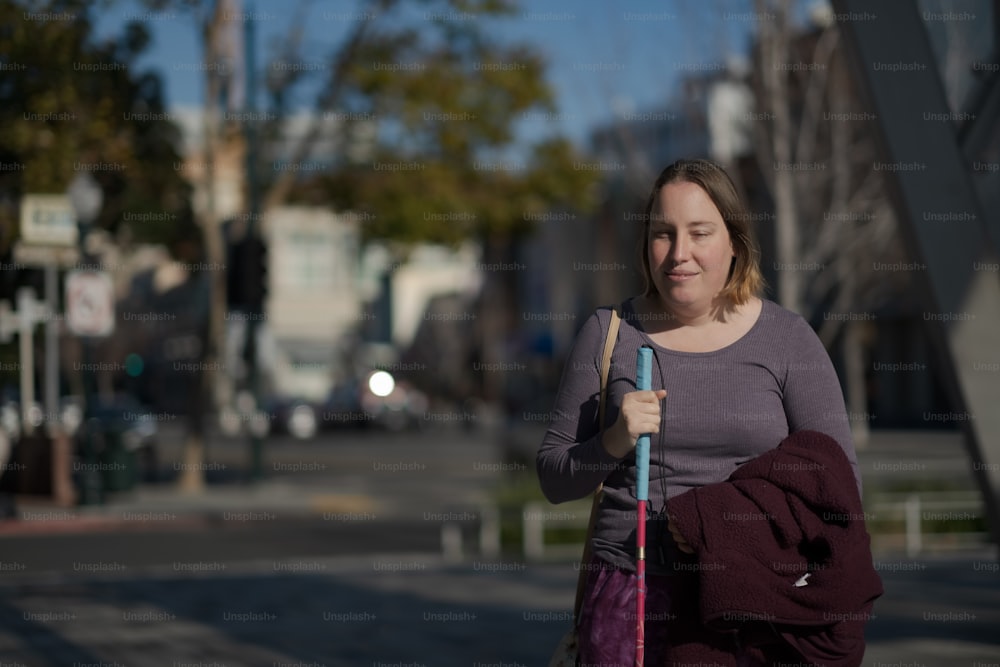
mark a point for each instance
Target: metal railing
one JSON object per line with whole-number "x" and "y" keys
{"x": 536, "y": 516}
{"x": 913, "y": 510}
{"x": 454, "y": 544}
{"x": 909, "y": 510}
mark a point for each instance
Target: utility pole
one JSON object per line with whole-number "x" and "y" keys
{"x": 253, "y": 245}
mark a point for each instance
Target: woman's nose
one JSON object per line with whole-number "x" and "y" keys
{"x": 681, "y": 248}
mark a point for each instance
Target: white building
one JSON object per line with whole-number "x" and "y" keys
{"x": 313, "y": 298}
{"x": 430, "y": 271}
{"x": 313, "y": 280}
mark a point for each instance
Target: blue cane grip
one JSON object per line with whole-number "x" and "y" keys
{"x": 643, "y": 382}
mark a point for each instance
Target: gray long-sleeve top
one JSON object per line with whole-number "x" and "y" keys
{"x": 722, "y": 409}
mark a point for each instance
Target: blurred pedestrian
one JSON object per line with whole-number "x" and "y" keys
{"x": 734, "y": 374}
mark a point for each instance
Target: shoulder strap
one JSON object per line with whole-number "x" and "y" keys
{"x": 609, "y": 347}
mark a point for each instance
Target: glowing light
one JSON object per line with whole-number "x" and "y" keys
{"x": 381, "y": 383}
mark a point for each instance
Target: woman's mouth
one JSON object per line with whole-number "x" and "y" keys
{"x": 680, "y": 276}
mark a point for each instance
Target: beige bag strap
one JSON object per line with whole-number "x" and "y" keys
{"x": 609, "y": 347}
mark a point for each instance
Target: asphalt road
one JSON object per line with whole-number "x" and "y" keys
{"x": 408, "y": 609}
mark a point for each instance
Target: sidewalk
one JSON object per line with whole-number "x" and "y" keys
{"x": 392, "y": 476}
{"x": 150, "y": 507}
{"x": 889, "y": 458}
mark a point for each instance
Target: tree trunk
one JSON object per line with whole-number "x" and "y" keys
{"x": 495, "y": 318}
{"x": 192, "y": 476}
{"x": 774, "y": 49}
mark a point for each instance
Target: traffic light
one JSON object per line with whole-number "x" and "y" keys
{"x": 246, "y": 275}
{"x": 254, "y": 278}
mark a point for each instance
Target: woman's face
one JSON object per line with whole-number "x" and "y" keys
{"x": 690, "y": 251}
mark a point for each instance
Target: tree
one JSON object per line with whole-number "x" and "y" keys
{"x": 427, "y": 126}
{"x": 420, "y": 111}
{"x": 70, "y": 104}
{"x": 415, "y": 110}
{"x": 412, "y": 121}
{"x": 833, "y": 223}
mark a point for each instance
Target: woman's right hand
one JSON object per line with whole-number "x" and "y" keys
{"x": 639, "y": 414}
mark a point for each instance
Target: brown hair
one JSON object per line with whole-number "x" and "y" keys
{"x": 745, "y": 279}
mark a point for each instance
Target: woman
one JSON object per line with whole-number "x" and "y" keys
{"x": 733, "y": 374}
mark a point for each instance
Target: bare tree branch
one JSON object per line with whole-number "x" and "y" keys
{"x": 328, "y": 100}
{"x": 814, "y": 97}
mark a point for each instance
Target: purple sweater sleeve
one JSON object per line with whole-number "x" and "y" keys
{"x": 571, "y": 461}
{"x": 813, "y": 399}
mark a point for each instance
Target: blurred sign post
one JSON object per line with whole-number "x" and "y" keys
{"x": 48, "y": 240}
{"x": 89, "y": 314}
{"x": 90, "y": 303}
{"x": 48, "y": 220}
{"x": 90, "y": 309}
{"x": 22, "y": 322}
{"x": 35, "y": 450}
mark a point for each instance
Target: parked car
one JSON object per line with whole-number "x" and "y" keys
{"x": 376, "y": 399}
{"x": 393, "y": 403}
{"x": 300, "y": 381}
{"x": 119, "y": 429}
{"x": 294, "y": 415}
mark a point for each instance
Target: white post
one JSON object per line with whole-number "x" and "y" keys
{"x": 451, "y": 542}
{"x": 51, "y": 384}
{"x": 913, "y": 526}
{"x": 26, "y": 322}
{"x": 489, "y": 533}
{"x": 533, "y": 531}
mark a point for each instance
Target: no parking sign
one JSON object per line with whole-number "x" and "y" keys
{"x": 90, "y": 303}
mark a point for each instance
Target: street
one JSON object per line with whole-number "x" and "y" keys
{"x": 328, "y": 559}
{"x": 335, "y": 558}
{"x": 362, "y": 611}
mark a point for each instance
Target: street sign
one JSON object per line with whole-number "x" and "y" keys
{"x": 48, "y": 220}
{"x": 45, "y": 255}
{"x": 90, "y": 303}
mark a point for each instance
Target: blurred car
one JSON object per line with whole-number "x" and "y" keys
{"x": 117, "y": 429}
{"x": 384, "y": 396}
{"x": 293, "y": 415}
{"x": 393, "y": 403}
{"x": 317, "y": 387}
{"x": 301, "y": 378}
{"x": 377, "y": 399}
{"x": 120, "y": 427}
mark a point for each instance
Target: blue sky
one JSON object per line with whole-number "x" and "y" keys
{"x": 606, "y": 58}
